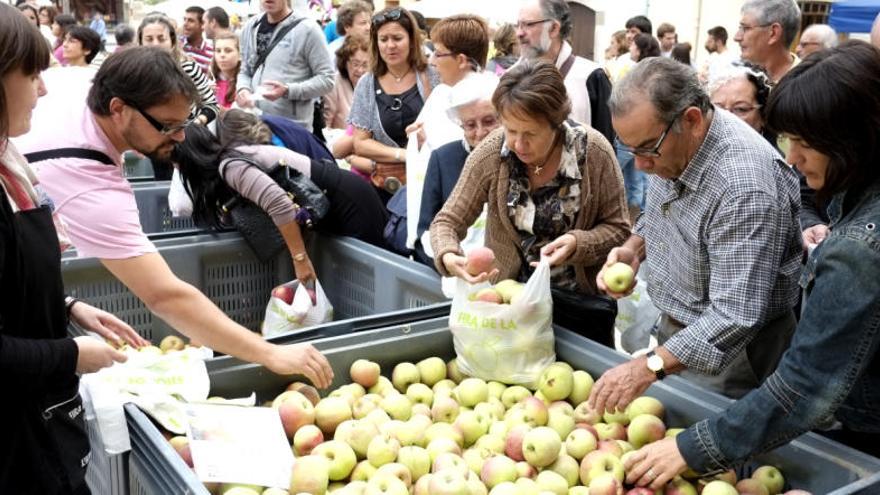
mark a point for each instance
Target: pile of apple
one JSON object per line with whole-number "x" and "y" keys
{"x": 167, "y": 345}
{"x": 504, "y": 292}
{"x": 429, "y": 430}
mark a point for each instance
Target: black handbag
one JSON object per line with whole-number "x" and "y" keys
{"x": 257, "y": 227}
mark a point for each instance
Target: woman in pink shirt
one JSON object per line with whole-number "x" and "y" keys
{"x": 225, "y": 67}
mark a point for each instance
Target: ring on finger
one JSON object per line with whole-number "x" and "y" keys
{"x": 650, "y": 473}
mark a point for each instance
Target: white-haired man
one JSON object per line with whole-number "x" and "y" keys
{"x": 815, "y": 38}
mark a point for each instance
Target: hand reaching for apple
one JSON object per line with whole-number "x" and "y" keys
{"x": 457, "y": 266}
{"x": 93, "y": 355}
{"x": 302, "y": 359}
{"x": 559, "y": 250}
{"x": 620, "y": 385}
{"x": 106, "y": 325}
{"x": 655, "y": 464}
{"x": 614, "y": 279}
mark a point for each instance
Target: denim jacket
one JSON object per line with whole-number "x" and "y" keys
{"x": 832, "y": 369}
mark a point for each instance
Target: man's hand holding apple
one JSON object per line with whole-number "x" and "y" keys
{"x": 614, "y": 279}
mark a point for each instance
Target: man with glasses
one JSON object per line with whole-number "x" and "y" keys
{"x": 767, "y": 28}
{"x": 542, "y": 29}
{"x": 719, "y": 236}
{"x": 815, "y": 38}
{"x": 140, "y": 100}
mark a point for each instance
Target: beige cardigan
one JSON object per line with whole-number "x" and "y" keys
{"x": 337, "y": 103}
{"x": 602, "y": 222}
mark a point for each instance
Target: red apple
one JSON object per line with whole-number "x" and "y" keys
{"x": 480, "y": 260}
{"x": 284, "y": 293}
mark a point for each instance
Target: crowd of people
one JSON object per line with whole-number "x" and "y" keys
{"x": 745, "y": 188}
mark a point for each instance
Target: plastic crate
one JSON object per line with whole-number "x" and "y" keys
{"x": 106, "y": 474}
{"x": 135, "y": 167}
{"x": 810, "y": 462}
{"x": 155, "y": 215}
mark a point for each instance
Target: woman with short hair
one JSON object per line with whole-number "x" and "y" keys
{"x": 81, "y": 45}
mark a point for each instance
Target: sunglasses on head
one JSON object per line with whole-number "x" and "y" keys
{"x": 391, "y": 15}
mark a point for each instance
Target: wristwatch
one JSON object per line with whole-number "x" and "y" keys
{"x": 655, "y": 364}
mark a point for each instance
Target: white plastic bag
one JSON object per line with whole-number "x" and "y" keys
{"x": 636, "y": 316}
{"x": 283, "y": 318}
{"x": 476, "y": 237}
{"x": 178, "y": 200}
{"x": 510, "y": 343}
{"x": 416, "y": 169}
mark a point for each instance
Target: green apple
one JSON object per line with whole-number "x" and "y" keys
{"x": 598, "y": 463}
{"x": 579, "y": 443}
{"x": 557, "y": 381}
{"x": 561, "y": 422}
{"x": 719, "y": 487}
{"x": 680, "y": 486}
{"x": 341, "y": 457}
{"x": 505, "y": 488}
{"x": 448, "y": 482}
{"x": 567, "y": 467}
{"x": 472, "y": 425}
{"x": 453, "y": 371}
{"x": 363, "y": 471}
{"x": 382, "y": 387}
{"x": 330, "y": 412}
{"x": 513, "y": 395}
{"x": 474, "y": 457}
{"x": 606, "y": 484}
{"x": 497, "y": 470}
{"x": 645, "y": 405}
{"x": 579, "y": 490}
{"x": 416, "y": 459}
{"x": 495, "y": 443}
{"x": 398, "y": 406}
{"x": 310, "y": 474}
{"x": 431, "y": 370}
{"x": 445, "y": 409}
{"x": 610, "y": 431}
{"x": 644, "y": 429}
{"x": 541, "y": 446}
{"x": 472, "y": 391}
{"x": 443, "y": 445}
{"x": 240, "y": 489}
{"x": 583, "y": 413}
{"x": 536, "y": 412}
{"x": 496, "y": 389}
{"x": 527, "y": 485}
{"x": 411, "y": 432}
{"x": 419, "y": 393}
{"x": 550, "y": 481}
{"x": 444, "y": 430}
{"x": 771, "y": 477}
{"x": 582, "y": 384}
{"x": 671, "y": 432}
{"x": 386, "y": 485}
{"x": 618, "y": 277}
{"x": 493, "y": 408}
{"x": 356, "y": 434}
{"x": 397, "y": 470}
{"x": 449, "y": 461}
{"x": 364, "y": 405}
{"x": 422, "y": 485}
{"x": 616, "y": 417}
{"x": 382, "y": 450}
{"x": 404, "y": 375}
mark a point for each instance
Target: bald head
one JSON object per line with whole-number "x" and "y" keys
{"x": 815, "y": 38}
{"x": 875, "y": 32}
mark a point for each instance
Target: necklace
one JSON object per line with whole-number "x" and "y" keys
{"x": 398, "y": 79}
{"x": 540, "y": 168}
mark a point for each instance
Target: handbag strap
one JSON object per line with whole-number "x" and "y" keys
{"x": 84, "y": 153}
{"x": 566, "y": 66}
{"x": 281, "y": 33}
{"x": 237, "y": 198}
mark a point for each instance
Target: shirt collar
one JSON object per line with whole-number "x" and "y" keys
{"x": 699, "y": 163}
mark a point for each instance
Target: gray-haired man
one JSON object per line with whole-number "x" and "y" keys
{"x": 766, "y": 29}
{"x": 719, "y": 234}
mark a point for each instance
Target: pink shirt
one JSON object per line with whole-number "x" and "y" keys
{"x": 94, "y": 199}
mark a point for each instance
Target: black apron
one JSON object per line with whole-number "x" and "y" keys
{"x": 50, "y": 435}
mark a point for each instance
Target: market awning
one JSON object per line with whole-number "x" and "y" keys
{"x": 853, "y": 16}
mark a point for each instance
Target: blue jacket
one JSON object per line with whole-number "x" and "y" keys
{"x": 832, "y": 369}
{"x": 297, "y": 138}
{"x": 444, "y": 168}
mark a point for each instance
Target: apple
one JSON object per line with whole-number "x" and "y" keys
{"x": 606, "y": 484}
{"x": 448, "y": 482}
{"x": 330, "y": 412}
{"x": 386, "y": 485}
{"x": 397, "y": 470}
{"x": 495, "y": 443}
{"x": 479, "y": 260}
{"x": 309, "y": 391}
{"x": 625, "y": 446}
{"x": 488, "y": 295}
{"x": 645, "y": 405}
{"x": 422, "y": 485}
{"x": 357, "y": 434}
{"x": 283, "y": 292}
{"x": 171, "y": 343}
{"x": 416, "y": 459}
{"x": 341, "y": 457}
{"x": 751, "y": 486}
{"x": 472, "y": 391}
{"x": 431, "y": 370}
{"x": 421, "y": 410}
{"x": 275, "y": 491}
{"x": 557, "y": 381}
{"x": 581, "y": 386}
{"x": 306, "y": 439}
{"x": 518, "y": 416}
{"x": 771, "y": 478}
{"x": 295, "y": 411}
{"x": 536, "y": 412}
{"x": 541, "y": 446}
{"x": 492, "y": 408}
{"x": 150, "y": 349}
{"x": 598, "y": 463}
{"x": 579, "y": 490}
{"x": 442, "y": 445}
{"x": 453, "y": 371}
{"x": 382, "y": 387}
{"x": 514, "y": 395}
{"x": 619, "y": 277}
{"x": 671, "y": 432}
{"x": 444, "y": 430}
{"x": 505, "y": 488}
{"x": 579, "y": 443}
{"x": 528, "y": 486}
{"x": 310, "y": 474}
{"x": 526, "y": 470}
{"x": 583, "y": 413}
{"x": 419, "y": 393}
{"x": 474, "y": 457}
{"x": 239, "y": 489}
{"x": 365, "y": 373}
{"x": 644, "y": 429}
{"x": 498, "y": 469}
{"x": 382, "y": 450}
{"x": 334, "y": 486}
{"x": 611, "y": 447}
{"x": 363, "y": 471}
{"x": 561, "y": 407}
{"x": 412, "y": 432}
{"x": 181, "y": 446}
{"x": 513, "y": 447}
{"x": 448, "y": 461}
{"x": 553, "y": 482}
{"x": 443, "y": 388}
{"x": 377, "y": 416}
{"x": 618, "y": 416}
{"x": 476, "y": 487}
{"x": 496, "y": 389}
{"x": 610, "y": 431}
{"x": 679, "y": 486}
{"x": 404, "y": 375}
{"x": 357, "y": 487}
{"x": 364, "y": 405}
{"x": 472, "y": 425}
{"x": 719, "y": 487}
{"x": 567, "y": 467}
{"x": 561, "y": 421}
{"x": 497, "y": 428}
{"x": 398, "y": 406}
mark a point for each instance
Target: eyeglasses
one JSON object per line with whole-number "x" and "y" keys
{"x": 653, "y": 152}
{"x": 163, "y": 128}
{"x": 358, "y": 65}
{"x": 441, "y": 55}
{"x": 808, "y": 43}
{"x": 739, "y": 110}
{"x": 521, "y": 25}
{"x": 391, "y": 15}
{"x": 744, "y": 28}
{"x": 489, "y": 122}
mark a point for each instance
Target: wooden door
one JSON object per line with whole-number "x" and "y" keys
{"x": 583, "y": 32}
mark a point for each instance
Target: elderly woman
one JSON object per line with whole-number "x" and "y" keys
{"x": 471, "y": 107}
{"x": 390, "y": 99}
{"x": 553, "y": 190}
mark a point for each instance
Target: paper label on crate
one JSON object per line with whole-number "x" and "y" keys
{"x": 232, "y": 444}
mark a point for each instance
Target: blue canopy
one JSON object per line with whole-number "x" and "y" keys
{"x": 853, "y": 16}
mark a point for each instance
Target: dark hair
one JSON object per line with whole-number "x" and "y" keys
{"x": 405, "y": 19}
{"x": 647, "y": 45}
{"x": 124, "y": 35}
{"x": 558, "y": 11}
{"x": 165, "y": 21}
{"x": 533, "y": 88}
{"x": 142, "y": 76}
{"x": 682, "y": 53}
{"x": 195, "y": 9}
{"x": 64, "y": 21}
{"x": 51, "y": 11}
{"x": 464, "y": 34}
{"x": 237, "y": 128}
{"x": 198, "y": 159}
{"x": 22, "y": 47}
{"x": 350, "y": 46}
{"x": 719, "y": 33}
{"x": 664, "y": 29}
{"x": 421, "y": 22}
{"x": 219, "y": 15}
{"x": 348, "y": 11}
{"x": 831, "y": 100}
{"x": 641, "y": 23}
{"x": 88, "y": 39}
{"x": 215, "y": 69}
{"x": 504, "y": 40}
{"x": 25, "y": 6}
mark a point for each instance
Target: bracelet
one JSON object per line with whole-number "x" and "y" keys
{"x": 69, "y": 301}
{"x": 299, "y": 257}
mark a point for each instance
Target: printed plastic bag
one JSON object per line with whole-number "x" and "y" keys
{"x": 509, "y": 343}
{"x": 282, "y": 317}
{"x": 476, "y": 237}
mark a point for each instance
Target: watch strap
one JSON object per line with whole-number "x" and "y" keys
{"x": 661, "y": 373}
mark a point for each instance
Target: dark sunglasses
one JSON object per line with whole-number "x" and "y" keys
{"x": 391, "y": 15}
{"x": 163, "y": 128}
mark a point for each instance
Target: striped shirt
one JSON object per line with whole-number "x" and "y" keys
{"x": 723, "y": 244}
{"x": 202, "y": 54}
{"x": 209, "y": 107}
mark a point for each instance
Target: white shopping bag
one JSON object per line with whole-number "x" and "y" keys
{"x": 476, "y": 237}
{"x": 416, "y": 169}
{"x": 510, "y": 343}
{"x": 636, "y": 316}
{"x": 301, "y": 313}
{"x": 179, "y": 201}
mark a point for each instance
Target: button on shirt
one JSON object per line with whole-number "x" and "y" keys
{"x": 723, "y": 244}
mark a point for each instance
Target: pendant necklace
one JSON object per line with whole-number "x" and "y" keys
{"x": 540, "y": 168}
{"x": 398, "y": 79}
